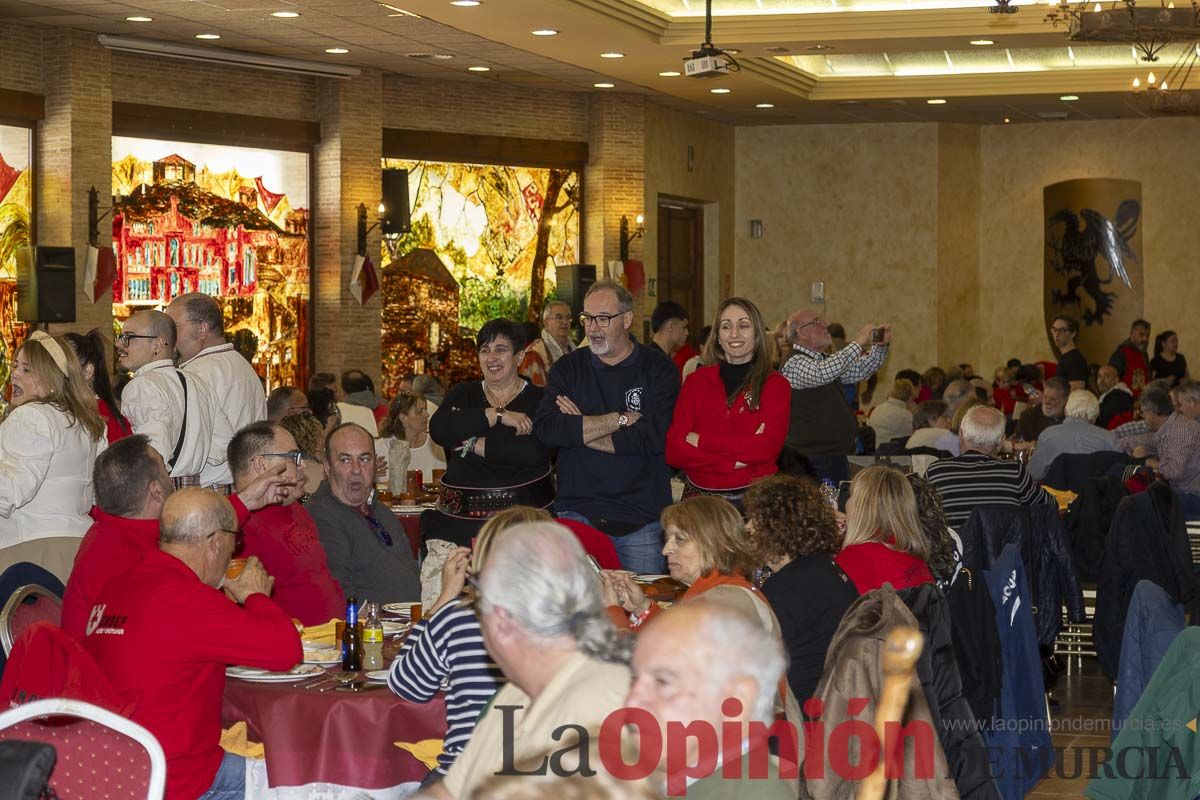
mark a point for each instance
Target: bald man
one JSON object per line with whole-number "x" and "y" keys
{"x": 823, "y": 425}
{"x": 178, "y": 413}
{"x": 1116, "y": 399}
{"x": 164, "y": 632}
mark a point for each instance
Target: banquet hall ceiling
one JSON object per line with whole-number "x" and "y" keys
{"x": 811, "y": 60}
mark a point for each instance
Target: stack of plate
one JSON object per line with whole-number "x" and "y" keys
{"x": 256, "y": 675}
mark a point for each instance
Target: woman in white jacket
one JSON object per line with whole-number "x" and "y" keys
{"x": 48, "y": 445}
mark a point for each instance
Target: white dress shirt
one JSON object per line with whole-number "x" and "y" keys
{"x": 45, "y": 474}
{"x": 359, "y": 415}
{"x": 153, "y": 404}
{"x": 238, "y": 392}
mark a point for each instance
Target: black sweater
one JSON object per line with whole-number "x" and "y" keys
{"x": 633, "y": 485}
{"x": 509, "y": 459}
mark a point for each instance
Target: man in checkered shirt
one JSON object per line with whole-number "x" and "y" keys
{"x": 823, "y": 425}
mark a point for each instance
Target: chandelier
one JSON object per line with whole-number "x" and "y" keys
{"x": 1147, "y": 27}
{"x": 1164, "y": 94}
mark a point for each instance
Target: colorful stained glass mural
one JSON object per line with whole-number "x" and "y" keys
{"x": 16, "y": 226}
{"x": 484, "y": 243}
{"x": 231, "y": 222}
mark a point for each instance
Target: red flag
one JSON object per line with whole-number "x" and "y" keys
{"x": 363, "y": 281}
{"x": 99, "y": 273}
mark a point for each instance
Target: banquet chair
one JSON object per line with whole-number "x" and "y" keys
{"x": 101, "y": 756}
{"x": 27, "y": 605}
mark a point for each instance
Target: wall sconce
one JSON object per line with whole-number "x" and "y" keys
{"x": 626, "y": 238}
{"x": 94, "y": 215}
{"x": 363, "y": 230}
{"x": 756, "y": 229}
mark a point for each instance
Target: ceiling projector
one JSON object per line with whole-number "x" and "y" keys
{"x": 708, "y": 62}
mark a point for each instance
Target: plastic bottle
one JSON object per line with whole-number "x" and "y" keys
{"x": 830, "y": 492}
{"x": 372, "y": 639}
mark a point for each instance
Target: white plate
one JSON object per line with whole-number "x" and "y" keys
{"x": 256, "y": 675}
{"x": 403, "y": 610}
{"x": 408, "y": 509}
{"x": 378, "y": 675}
{"x": 322, "y": 656}
{"x": 648, "y": 578}
{"x": 391, "y": 628}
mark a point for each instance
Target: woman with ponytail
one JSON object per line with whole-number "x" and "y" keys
{"x": 90, "y": 350}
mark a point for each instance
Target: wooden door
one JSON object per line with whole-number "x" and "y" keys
{"x": 681, "y": 259}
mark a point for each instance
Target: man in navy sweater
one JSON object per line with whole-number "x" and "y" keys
{"x": 607, "y": 408}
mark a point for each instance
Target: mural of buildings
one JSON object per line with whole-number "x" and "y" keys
{"x": 16, "y": 214}
{"x": 180, "y": 227}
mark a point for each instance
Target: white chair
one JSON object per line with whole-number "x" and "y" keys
{"x": 90, "y": 750}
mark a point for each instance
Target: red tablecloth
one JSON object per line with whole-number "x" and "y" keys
{"x": 412, "y": 526}
{"x": 334, "y": 737}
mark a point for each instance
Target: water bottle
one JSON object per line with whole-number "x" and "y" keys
{"x": 829, "y": 491}
{"x": 372, "y": 639}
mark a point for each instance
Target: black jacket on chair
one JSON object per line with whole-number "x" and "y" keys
{"x": 1147, "y": 542}
{"x": 1071, "y": 472}
{"x": 1038, "y": 533}
{"x": 1088, "y": 521}
{"x": 937, "y": 669}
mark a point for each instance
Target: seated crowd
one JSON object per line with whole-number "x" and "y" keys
{"x": 568, "y": 471}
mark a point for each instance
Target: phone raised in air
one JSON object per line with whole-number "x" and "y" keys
{"x": 877, "y": 335}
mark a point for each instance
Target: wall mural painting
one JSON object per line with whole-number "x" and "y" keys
{"x": 1093, "y": 268}
{"x": 16, "y": 226}
{"x": 484, "y": 243}
{"x": 231, "y": 222}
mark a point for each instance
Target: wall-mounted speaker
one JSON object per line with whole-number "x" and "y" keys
{"x": 572, "y": 282}
{"x": 395, "y": 202}
{"x": 46, "y": 284}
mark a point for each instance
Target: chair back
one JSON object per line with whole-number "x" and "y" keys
{"x": 101, "y": 756}
{"x": 23, "y": 574}
{"x": 28, "y": 605}
{"x": 49, "y": 662}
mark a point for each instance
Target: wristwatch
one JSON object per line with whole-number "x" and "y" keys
{"x": 499, "y": 415}
{"x": 622, "y": 420}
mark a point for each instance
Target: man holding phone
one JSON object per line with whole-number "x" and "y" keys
{"x": 823, "y": 425}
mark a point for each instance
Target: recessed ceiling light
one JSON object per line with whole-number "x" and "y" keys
{"x": 820, "y": 47}
{"x": 479, "y": 69}
{"x": 336, "y": 51}
{"x": 981, "y": 42}
{"x": 1007, "y": 120}
{"x": 139, "y": 19}
{"x": 937, "y": 101}
{"x": 1069, "y": 97}
{"x": 464, "y": 3}
{"x": 603, "y": 85}
{"x": 545, "y": 32}
{"x": 733, "y": 51}
{"x": 669, "y": 74}
{"x": 720, "y": 91}
{"x": 765, "y": 105}
{"x": 613, "y": 54}
{"x": 285, "y": 14}
{"x": 208, "y": 36}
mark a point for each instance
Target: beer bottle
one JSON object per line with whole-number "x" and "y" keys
{"x": 351, "y": 643}
{"x": 372, "y": 639}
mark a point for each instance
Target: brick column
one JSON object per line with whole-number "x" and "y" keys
{"x": 348, "y": 172}
{"x": 74, "y": 153}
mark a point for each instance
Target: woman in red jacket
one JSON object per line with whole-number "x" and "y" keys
{"x": 732, "y": 415}
{"x": 885, "y": 541}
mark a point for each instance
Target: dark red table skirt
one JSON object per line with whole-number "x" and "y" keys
{"x": 412, "y": 526}
{"x": 334, "y": 737}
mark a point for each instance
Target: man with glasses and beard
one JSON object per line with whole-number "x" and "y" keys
{"x": 607, "y": 408}
{"x": 284, "y": 536}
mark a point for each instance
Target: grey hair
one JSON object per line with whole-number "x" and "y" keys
{"x": 208, "y": 511}
{"x": 538, "y": 573}
{"x": 202, "y": 309}
{"x": 955, "y": 393}
{"x": 1083, "y": 405}
{"x": 1189, "y": 389}
{"x": 1157, "y": 400}
{"x": 982, "y": 427}
{"x": 553, "y": 304}
{"x": 746, "y": 648}
{"x": 624, "y": 298}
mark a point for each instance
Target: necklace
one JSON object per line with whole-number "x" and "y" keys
{"x": 491, "y": 396}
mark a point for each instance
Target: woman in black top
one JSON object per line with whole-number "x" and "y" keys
{"x": 1168, "y": 362}
{"x": 493, "y": 460}
{"x": 796, "y": 533}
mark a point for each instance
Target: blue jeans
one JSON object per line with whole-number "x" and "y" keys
{"x": 230, "y": 783}
{"x": 639, "y": 551}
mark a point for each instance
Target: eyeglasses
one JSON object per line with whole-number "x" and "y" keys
{"x": 123, "y": 338}
{"x": 377, "y": 526}
{"x": 237, "y": 537}
{"x": 599, "y": 320}
{"x": 560, "y": 317}
{"x": 295, "y": 456}
{"x": 816, "y": 321}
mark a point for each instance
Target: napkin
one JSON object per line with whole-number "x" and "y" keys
{"x": 323, "y": 634}
{"x": 236, "y": 740}
{"x": 1063, "y": 498}
{"x": 426, "y": 751}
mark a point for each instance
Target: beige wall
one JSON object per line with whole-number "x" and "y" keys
{"x": 855, "y": 206}
{"x": 710, "y": 181}
{"x": 1017, "y": 161}
{"x": 958, "y": 248}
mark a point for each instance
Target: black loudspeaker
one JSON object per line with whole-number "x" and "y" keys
{"x": 395, "y": 202}
{"x": 46, "y": 284}
{"x": 572, "y": 282}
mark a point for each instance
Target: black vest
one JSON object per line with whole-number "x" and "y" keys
{"x": 822, "y": 423}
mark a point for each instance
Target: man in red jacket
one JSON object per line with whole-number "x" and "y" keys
{"x": 1130, "y": 359}
{"x": 132, "y": 484}
{"x": 165, "y": 632}
{"x": 284, "y": 536}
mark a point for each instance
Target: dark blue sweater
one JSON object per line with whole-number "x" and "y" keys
{"x": 633, "y": 485}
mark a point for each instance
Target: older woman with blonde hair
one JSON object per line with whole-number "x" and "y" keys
{"x": 884, "y": 541}
{"x": 48, "y": 444}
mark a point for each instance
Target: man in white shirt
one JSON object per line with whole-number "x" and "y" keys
{"x": 172, "y": 409}
{"x": 203, "y": 352}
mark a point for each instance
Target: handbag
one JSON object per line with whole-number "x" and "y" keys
{"x": 25, "y": 769}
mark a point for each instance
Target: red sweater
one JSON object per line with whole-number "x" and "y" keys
{"x": 117, "y": 427}
{"x": 727, "y": 434}
{"x": 166, "y": 637}
{"x": 110, "y": 547}
{"x": 872, "y": 564}
{"x": 285, "y": 540}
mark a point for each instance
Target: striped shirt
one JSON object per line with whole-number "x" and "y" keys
{"x": 447, "y": 649}
{"x": 975, "y": 479}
